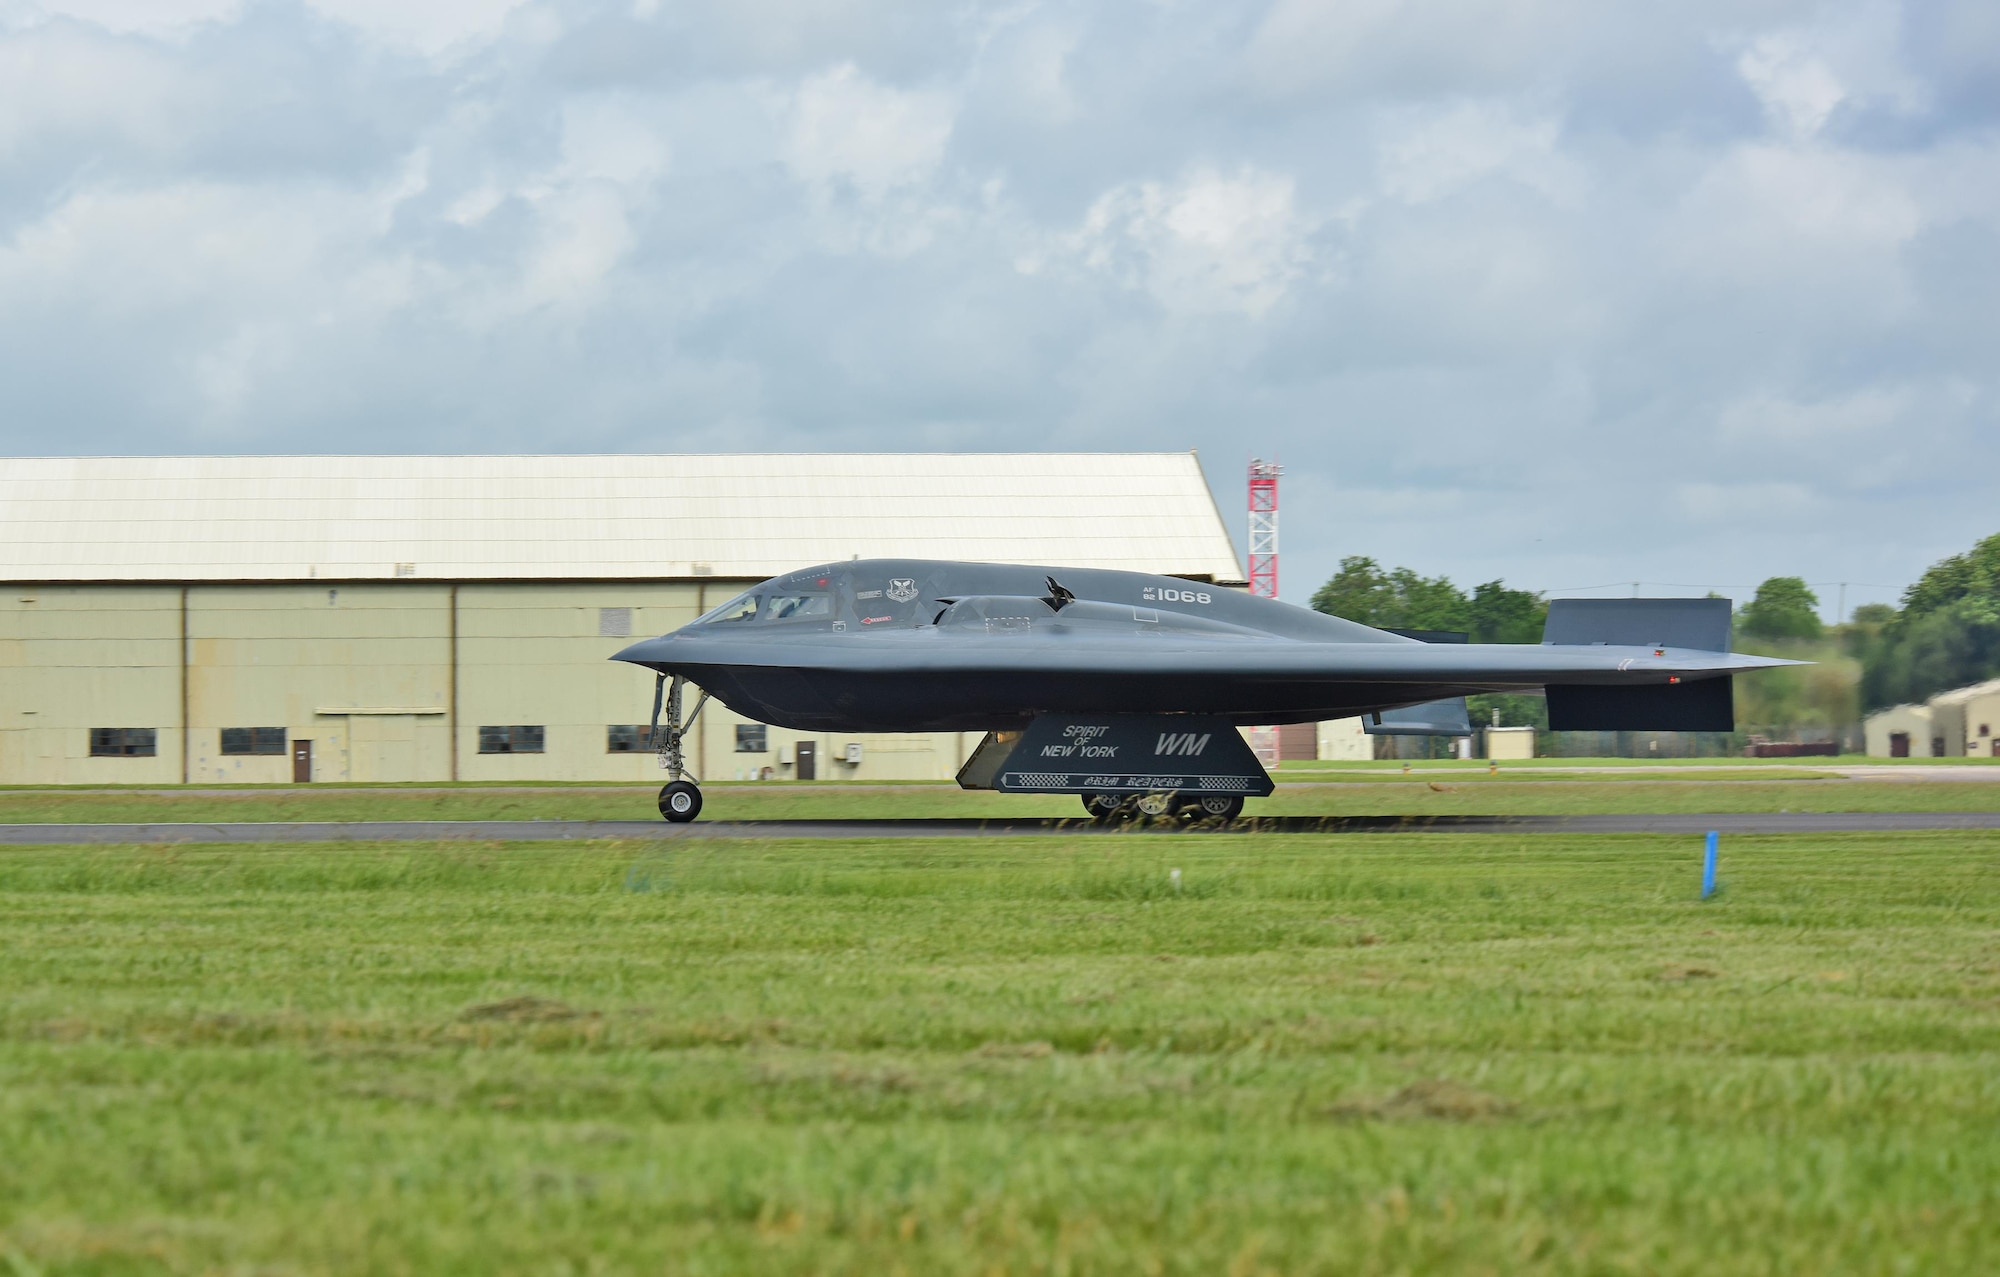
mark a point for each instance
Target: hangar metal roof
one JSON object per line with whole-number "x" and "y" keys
{"x": 749, "y": 515}
{"x": 1960, "y": 695}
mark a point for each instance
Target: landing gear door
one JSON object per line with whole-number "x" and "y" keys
{"x": 1120, "y": 754}
{"x": 983, "y": 768}
{"x": 1432, "y": 718}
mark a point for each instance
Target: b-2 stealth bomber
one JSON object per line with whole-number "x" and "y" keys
{"x": 1127, "y": 689}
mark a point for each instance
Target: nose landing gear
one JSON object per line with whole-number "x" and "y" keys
{"x": 680, "y": 797}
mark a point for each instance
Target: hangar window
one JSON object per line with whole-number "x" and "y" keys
{"x": 123, "y": 742}
{"x": 627, "y": 738}
{"x": 510, "y": 740}
{"x": 798, "y": 607}
{"x": 253, "y": 740}
{"x": 752, "y": 738}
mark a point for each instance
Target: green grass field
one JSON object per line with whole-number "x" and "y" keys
{"x": 1302, "y": 793}
{"x": 1373, "y": 1054}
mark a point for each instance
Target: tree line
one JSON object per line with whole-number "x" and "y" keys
{"x": 1406, "y": 600}
{"x": 1946, "y": 634}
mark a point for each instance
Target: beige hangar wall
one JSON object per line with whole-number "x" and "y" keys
{"x": 77, "y": 657}
{"x": 287, "y": 655}
{"x": 383, "y": 609}
{"x": 386, "y": 680}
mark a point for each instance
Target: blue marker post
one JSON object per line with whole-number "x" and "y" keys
{"x": 1708, "y": 865}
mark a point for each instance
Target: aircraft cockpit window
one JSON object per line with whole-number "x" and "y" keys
{"x": 798, "y": 607}
{"x": 741, "y": 608}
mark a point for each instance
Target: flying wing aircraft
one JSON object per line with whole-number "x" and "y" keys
{"x": 1127, "y": 688}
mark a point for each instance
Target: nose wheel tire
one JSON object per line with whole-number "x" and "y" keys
{"x": 680, "y": 801}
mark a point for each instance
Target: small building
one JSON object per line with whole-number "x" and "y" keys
{"x": 1510, "y": 742}
{"x": 1901, "y": 731}
{"x": 274, "y": 619}
{"x": 1964, "y": 721}
{"x": 1343, "y": 740}
{"x": 1961, "y": 723}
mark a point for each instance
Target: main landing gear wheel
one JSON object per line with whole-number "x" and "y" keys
{"x": 1105, "y": 808}
{"x": 680, "y": 801}
{"x": 1213, "y": 807}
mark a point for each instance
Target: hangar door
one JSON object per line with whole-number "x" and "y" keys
{"x": 386, "y": 747}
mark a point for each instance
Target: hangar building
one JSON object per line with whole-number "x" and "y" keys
{"x": 272, "y": 619}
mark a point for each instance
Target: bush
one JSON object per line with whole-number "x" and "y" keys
{"x": 1783, "y": 609}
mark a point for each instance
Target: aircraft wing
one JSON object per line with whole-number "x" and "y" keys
{"x": 1494, "y": 666}
{"x": 917, "y": 655}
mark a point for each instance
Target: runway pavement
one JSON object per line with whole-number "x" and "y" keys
{"x": 427, "y": 831}
{"x": 1308, "y": 778}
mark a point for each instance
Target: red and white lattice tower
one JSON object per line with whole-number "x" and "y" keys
{"x": 1264, "y": 528}
{"x": 1264, "y": 574}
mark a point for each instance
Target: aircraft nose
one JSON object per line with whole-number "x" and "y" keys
{"x": 644, "y": 652}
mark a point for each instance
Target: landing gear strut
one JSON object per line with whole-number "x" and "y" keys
{"x": 680, "y": 797}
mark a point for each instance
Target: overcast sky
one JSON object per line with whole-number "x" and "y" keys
{"x": 1561, "y": 291}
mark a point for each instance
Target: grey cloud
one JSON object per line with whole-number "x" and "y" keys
{"x": 1555, "y": 291}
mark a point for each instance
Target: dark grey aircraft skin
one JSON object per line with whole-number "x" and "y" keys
{"x": 907, "y": 645}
